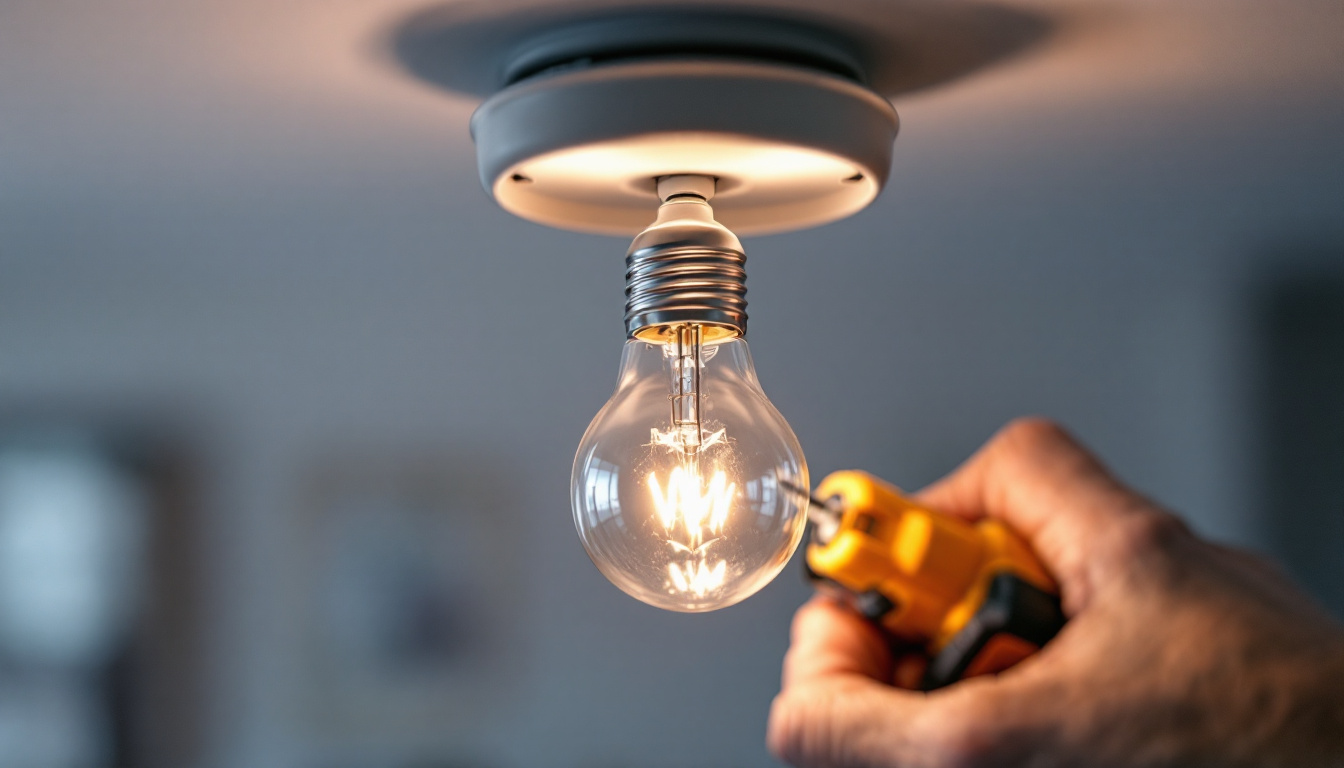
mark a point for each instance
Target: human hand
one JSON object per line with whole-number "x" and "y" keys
{"x": 1177, "y": 652}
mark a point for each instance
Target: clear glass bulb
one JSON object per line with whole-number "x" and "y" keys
{"x": 681, "y": 485}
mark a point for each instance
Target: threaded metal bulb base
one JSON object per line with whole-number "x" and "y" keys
{"x": 685, "y": 269}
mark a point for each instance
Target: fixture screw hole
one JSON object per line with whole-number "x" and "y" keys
{"x": 854, "y": 178}
{"x": 521, "y": 179}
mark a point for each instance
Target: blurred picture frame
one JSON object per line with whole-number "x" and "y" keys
{"x": 410, "y": 593}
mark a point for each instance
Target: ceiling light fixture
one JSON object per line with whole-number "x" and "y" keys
{"x": 707, "y": 123}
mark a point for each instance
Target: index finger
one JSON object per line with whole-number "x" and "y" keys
{"x": 829, "y": 639}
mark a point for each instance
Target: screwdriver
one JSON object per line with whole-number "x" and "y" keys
{"x": 971, "y": 596}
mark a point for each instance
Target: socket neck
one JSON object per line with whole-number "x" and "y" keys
{"x": 685, "y": 268}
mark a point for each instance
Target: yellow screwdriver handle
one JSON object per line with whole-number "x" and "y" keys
{"x": 972, "y": 594}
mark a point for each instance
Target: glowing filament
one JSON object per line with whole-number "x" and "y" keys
{"x": 683, "y": 504}
{"x": 677, "y": 441}
{"x": 698, "y": 577}
{"x": 693, "y": 518}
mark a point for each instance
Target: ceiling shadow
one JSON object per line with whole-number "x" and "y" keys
{"x": 902, "y": 45}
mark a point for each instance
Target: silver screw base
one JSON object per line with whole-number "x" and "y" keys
{"x": 685, "y": 269}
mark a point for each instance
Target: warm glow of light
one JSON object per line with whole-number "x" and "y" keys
{"x": 693, "y": 517}
{"x": 698, "y": 578}
{"x": 683, "y": 504}
{"x": 676, "y": 440}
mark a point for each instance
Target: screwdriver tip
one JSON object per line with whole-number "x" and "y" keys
{"x": 801, "y": 491}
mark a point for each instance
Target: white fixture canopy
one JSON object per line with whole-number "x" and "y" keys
{"x": 590, "y": 104}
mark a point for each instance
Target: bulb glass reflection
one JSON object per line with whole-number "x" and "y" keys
{"x": 680, "y": 485}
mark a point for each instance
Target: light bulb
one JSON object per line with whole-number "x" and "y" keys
{"x": 684, "y": 486}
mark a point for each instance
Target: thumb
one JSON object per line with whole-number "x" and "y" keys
{"x": 1049, "y": 488}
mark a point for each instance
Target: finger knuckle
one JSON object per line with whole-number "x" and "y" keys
{"x": 799, "y": 730}
{"x": 1145, "y": 532}
{"x": 781, "y": 726}
{"x": 1032, "y": 430}
{"x": 805, "y": 619}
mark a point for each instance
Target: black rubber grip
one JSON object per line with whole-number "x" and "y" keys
{"x": 1012, "y": 606}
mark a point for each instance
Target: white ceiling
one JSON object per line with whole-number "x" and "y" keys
{"x": 166, "y": 98}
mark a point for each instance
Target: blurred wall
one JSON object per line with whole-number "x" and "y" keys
{"x": 1301, "y": 451}
{"x": 1143, "y": 280}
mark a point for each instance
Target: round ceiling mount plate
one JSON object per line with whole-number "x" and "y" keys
{"x": 583, "y": 148}
{"x": 589, "y": 103}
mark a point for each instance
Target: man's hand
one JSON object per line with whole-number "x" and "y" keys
{"x": 1177, "y": 652}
